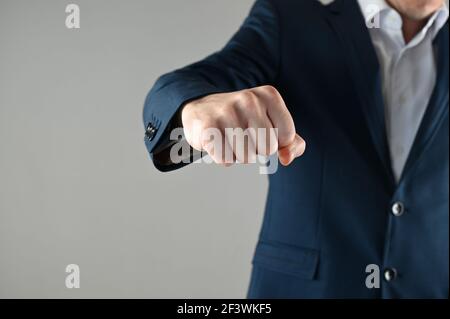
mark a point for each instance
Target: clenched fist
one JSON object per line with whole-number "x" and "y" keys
{"x": 253, "y": 110}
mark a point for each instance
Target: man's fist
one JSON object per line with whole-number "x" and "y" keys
{"x": 253, "y": 110}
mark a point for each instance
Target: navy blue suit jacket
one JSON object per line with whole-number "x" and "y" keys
{"x": 329, "y": 214}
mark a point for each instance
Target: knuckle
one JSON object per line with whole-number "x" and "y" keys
{"x": 271, "y": 90}
{"x": 248, "y": 99}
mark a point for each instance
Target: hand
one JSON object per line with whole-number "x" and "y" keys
{"x": 257, "y": 108}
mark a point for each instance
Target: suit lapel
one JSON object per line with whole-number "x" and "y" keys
{"x": 438, "y": 106}
{"x": 347, "y": 20}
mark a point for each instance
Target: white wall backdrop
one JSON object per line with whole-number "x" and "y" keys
{"x": 76, "y": 183}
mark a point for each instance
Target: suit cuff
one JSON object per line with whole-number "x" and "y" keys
{"x": 163, "y": 103}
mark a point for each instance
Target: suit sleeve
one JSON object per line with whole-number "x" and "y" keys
{"x": 249, "y": 59}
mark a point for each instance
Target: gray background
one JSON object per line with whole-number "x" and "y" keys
{"x": 76, "y": 183}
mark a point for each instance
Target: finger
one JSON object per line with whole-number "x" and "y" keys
{"x": 193, "y": 134}
{"x": 265, "y": 138}
{"x": 217, "y": 147}
{"x": 289, "y": 153}
{"x": 278, "y": 114}
{"x": 243, "y": 145}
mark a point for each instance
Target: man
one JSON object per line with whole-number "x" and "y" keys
{"x": 365, "y": 84}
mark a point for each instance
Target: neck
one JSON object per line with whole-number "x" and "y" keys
{"x": 412, "y": 27}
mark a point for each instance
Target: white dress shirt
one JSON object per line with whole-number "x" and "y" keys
{"x": 408, "y": 74}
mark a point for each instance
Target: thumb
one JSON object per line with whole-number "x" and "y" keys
{"x": 289, "y": 153}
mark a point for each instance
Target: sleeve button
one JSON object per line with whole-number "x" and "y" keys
{"x": 150, "y": 132}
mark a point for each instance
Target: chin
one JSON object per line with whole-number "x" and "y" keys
{"x": 419, "y": 14}
{"x": 418, "y": 9}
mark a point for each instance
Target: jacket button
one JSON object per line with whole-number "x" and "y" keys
{"x": 150, "y": 132}
{"x": 398, "y": 209}
{"x": 390, "y": 274}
